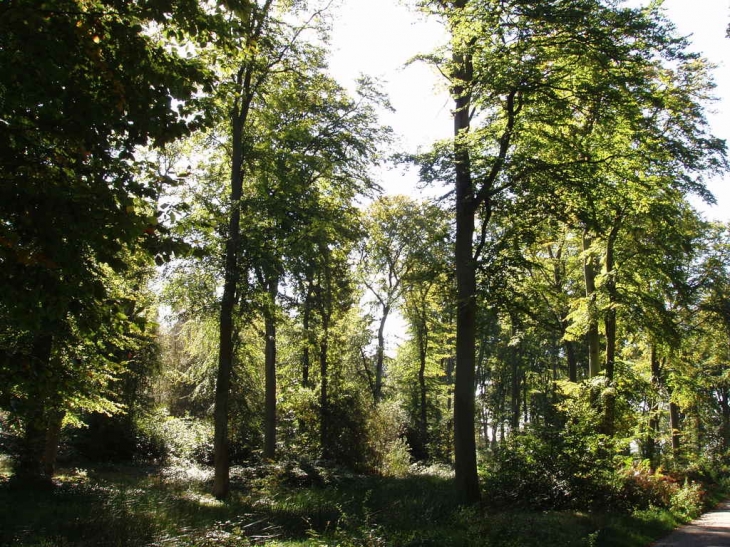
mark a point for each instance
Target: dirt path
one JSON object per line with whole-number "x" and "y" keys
{"x": 710, "y": 530}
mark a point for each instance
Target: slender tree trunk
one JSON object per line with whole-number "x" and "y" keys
{"x": 516, "y": 390}
{"x": 589, "y": 276}
{"x": 724, "y": 400}
{"x": 449, "y": 369}
{"x": 306, "y": 318}
{"x": 674, "y": 425}
{"x": 270, "y": 371}
{"x": 221, "y": 480}
{"x": 380, "y": 356}
{"x": 525, "y": 400}
{"x": 572, "y": 361}
{"x": 422, "y": 354}
{"x": 610, "y": 321}
{"x": 246, "y": 85}
{"x": 653, "y": 425}
{"x": 324, "y": 432}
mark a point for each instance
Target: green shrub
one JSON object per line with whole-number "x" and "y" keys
{"x": 397, "y": 461}
{"x": 688, "y": 500}
{"x": 168, "y": 439}
{"x": 388, "y": 449}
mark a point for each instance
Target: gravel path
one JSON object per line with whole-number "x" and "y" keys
{"x": 710, "y": 530}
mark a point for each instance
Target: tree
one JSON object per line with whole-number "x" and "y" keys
{"x": 398, "y": 232}
{"x": 84, "y": 85}
{"x": 522, "y": 74}
{"x": 314, "y": 140}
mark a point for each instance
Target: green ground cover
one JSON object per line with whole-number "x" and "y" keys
{"x": 288, "y": 505}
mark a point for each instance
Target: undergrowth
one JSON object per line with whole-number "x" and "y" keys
{"x": 291, "y": 505}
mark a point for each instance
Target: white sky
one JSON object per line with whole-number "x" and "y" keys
{"x": 377, "y": 37}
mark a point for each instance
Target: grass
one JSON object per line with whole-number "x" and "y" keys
{"x": 286, "y": 505}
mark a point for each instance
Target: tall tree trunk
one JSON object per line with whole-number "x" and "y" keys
{"x": 589, "y": 276}
{"x": 465, "y": 462}
{"x": 516, "y": 389}
{"x": 449, "y": 366}
{"x": 324, "y": 413}
{"x": 422, "y": 337}
{"x": 380, "y": 355}
{"x": 306, "y": 318}
{"x": 653, "y": 425}
{"x": 231, "y": 275}
{"x": 247, "y": 83}
{"x": 610, "y": 321}
{"x": 270, "y": 370}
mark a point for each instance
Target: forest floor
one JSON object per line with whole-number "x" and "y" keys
{"x": 710, "y": 530}
{"x": 288, "y": 505}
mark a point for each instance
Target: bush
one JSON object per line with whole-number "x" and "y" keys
{"x": 169, "y": 439}
{"x": 389, "y": 451}
{"x": 642, "y": 488}
{"x": 688, "y": 501}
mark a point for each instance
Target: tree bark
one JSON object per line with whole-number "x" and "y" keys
{"x": 270, "y": 370}
{"x": 675, "y": 427}
{"x": 324, "y": 432}
{"x": 306, "y": 318}
{"x": 572, "y": 361}
{"x": 559, "y": 280}
{"x": 380, "y": 355}
{"x": 53, "y": 437}
{"x": 465, "y": 463}
{"x": 610, "y": 321}
{"x": 422, "y": 354}
{"x": 516, "y": 389}
{"x": 221, "y": 479}
{"x": 589, "y": 276}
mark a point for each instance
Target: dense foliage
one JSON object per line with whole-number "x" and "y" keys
{"x": 565, "y": 310}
